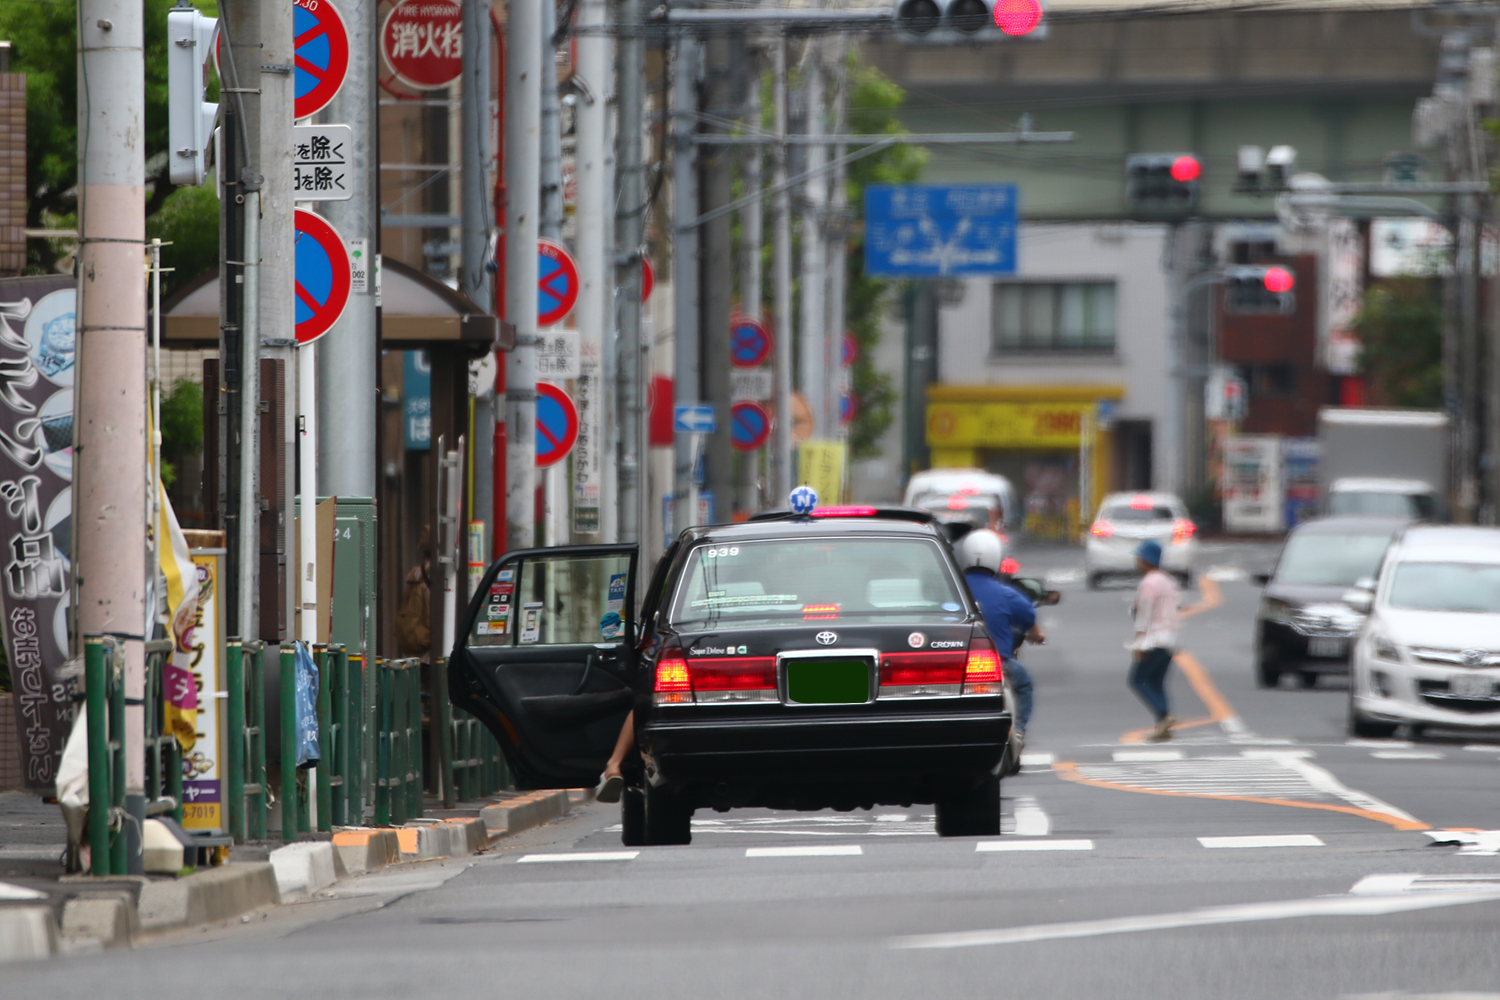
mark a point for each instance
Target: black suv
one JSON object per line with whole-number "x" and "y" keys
{"x": 834, "y": 660}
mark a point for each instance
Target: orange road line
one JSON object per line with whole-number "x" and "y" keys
{"x": 1069, "y": 772}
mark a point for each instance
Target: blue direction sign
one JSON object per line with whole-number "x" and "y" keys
{"x": 921, "y": 230}
{"x": 556, "y": 424}
{"x": 693, "y": 418}
{"x": 749, "y": 425}
{"x": 749, "y": 343}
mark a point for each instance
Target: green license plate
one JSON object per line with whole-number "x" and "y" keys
{"x": 828, "y": 682}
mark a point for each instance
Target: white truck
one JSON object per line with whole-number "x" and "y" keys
{"x": 1384, "y": 462}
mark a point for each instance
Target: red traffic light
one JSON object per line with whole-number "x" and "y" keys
{"x": 1186, "y": 168}
{"x": 1017, "y": 17}
{"x": 1278, "y": 280}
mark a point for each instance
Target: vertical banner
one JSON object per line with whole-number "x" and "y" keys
{"x": 202, "y": 778}
{"x": 1343, "y": 294}
{"x": 820, "y": 464}
{"x": 588, "y": 396}
{"x": 416, "y": 396}
{"x": 36, "y": 506}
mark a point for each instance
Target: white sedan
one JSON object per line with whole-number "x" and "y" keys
{"x": 1429, "y": 653}
{"x": 1127, "y": 519}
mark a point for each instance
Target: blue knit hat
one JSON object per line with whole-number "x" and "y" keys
{"x": 1149, "y": 551}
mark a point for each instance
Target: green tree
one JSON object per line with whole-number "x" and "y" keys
{"x": 874, "y": 100}
{"x": 181, "y": 426}
{"x": 44, "y": 42}
{"x": 1401, "y": 327}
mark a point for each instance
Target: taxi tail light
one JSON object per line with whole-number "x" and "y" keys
{"x": 983, "y": 673}
{"x": 674, "y": 685}
{"x": 1182, "y": 530}
{"x": 921, "y": 675}
{"x": 1102, "y": 529}
{"x": 733, "y": 678}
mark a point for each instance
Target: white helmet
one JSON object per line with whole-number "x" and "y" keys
{"x": 983, "y": 548}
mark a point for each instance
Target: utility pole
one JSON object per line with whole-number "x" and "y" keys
{"x": 111, "y": 455}
{"x": 724, "y": 55}
{"x": 474, "y": 274}
{"x": 686, "y": 283}
{"x": 240, "y": 26}
{"x": 838, "y": 242}
{"x": 750, "y": 269}
{"x": 781, "y": 436}
{"x": 523, "y": 71}
{"x": 814, "y": 361}
{"x": 593, "y": 79}
{"x": 630, "y": 222}
{"x": 349, "y": 355}
{"x": 556, "y": 501}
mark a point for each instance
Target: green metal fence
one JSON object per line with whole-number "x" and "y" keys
{"x": 472, "y": 765}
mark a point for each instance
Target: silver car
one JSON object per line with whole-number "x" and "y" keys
{"x": 1127, "y": 519}
{"x": 1429, "y": 652}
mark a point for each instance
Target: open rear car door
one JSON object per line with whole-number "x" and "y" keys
{"x": 546, "y": 659}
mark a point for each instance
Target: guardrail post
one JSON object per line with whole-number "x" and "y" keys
{"x": 234, "y": 741}
{"x": 338, "y": 736}
{"x": 96, "y": 684}
{"x": 355, "y": 784}
{"x": 443, "y": 719}
{"x": 399, "y": 749}
{"x": 289, "y": 810}
{"x": 115, "y": 688}
{"x": 327, "y": 765}
{"x": 384, "y": 751}
{"x": 414, "y": 777}
{"x": 255, "y": 739}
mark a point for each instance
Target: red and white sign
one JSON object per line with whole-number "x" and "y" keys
{"x": 422, "y": 41}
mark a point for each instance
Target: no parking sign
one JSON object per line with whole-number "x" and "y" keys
{"x": 322, "y": 56}
{"x": 556, "y": 424}
{"x": 556, "y": 283}
{"x": 322, "y": 276}
{"x": 749, "y": 425}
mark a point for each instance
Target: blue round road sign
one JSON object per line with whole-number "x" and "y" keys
{"x": 556, "y": 424}
{"x": 322, "y": 55}
{"x": 749, "y": 425}
{"x": 749, "y": 343}
{"x": 322, "y": 276}
{"x": 556, "y": 283}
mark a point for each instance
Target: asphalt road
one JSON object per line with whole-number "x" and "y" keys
{"x": 1102, "y": 885}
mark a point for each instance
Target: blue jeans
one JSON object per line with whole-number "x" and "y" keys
{"x": 1148, "y": 679}
{"x": 1020, "y": 684}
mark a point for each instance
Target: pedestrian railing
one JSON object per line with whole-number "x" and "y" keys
{"x": 470, "y": 758}
{"x": 398, "y": 707}
{"x": 246, "y": 743}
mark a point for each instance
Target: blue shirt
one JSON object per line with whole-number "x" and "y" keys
{"x": 1005, "y": 609}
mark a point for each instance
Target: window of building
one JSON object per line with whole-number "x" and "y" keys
{"x": 1054, "y": 316}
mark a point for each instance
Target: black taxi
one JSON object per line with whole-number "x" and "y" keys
{"x": 827, "y": 660}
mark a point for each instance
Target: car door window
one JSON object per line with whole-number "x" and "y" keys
{"x": 555, "y": 600}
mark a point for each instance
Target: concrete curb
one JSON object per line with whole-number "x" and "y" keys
{"x": 99, "y": 920}
{"x": 304, "y": 868}
{"x": 525, "y": 811}
{"x": 365, "y": 849}
{"x": 208, "y": 897}
{"x": 27, "y": 932}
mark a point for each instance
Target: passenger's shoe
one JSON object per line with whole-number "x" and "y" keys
{"x": 609, "y": 788}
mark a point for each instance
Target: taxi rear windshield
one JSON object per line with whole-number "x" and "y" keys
{"x": 823, "y": 579}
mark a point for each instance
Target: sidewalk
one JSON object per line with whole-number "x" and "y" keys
{"x": 44, "y": 912}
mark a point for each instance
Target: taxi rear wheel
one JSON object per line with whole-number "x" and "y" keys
{"x": 973, "y": 814}
{"x": 667, "y": 819}
{"x": 633, "y": 817}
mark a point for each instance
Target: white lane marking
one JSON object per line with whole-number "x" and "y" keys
{"x": 8, "y": 891}
{"x": 892, "y": 818}
{"x": 1034, "y": 845}
{"x": 1031, "y": 819}
{"x": 1227, "y": 574}
{"x": 1276, "y": 754}
{"x": 1385, "y": 885}
{"x": 1407, "y": 754}
{"x": 1136, "y": 756}
{"x": 809, "y": 851}
{"x": 1379, "y": 744}
{"x": 1484, "y": 747}
{"x": 1325, "y": 781}
{"x": 579, "y": 856}
{"x": 1284, "y": 840}
{"x": 1046, "y": 759}
{"x": 1055, "y": 578}
{"x": 1480, "y": 843}
{"x": 802, "y": 825}
{"x": 1321, "y": 906}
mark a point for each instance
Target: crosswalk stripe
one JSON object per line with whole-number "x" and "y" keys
{"x": 1407, "y": 755}
{"x": 1285, "y": 840}
{"x": 1034, "y": 845}
{"x": 808, "y": 851}
{"x": 1141, "y": 756}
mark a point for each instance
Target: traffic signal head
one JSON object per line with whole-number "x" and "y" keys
{"x": 1014, "y": 17}
{"x": 1162, "y": 182}
{"x": 1259, "y": 289}
{"x": 190, "y": 120}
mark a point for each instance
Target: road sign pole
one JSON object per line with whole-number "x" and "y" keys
{"x": 523, "y": 68}
{"x": 781, "y": 440}
{"x": 814, "y": 275}
{"x": 630, "y": 212}
{"x": 690, "y": 517}
{"x": 750, "y": 274}
{"x": 685, "y": 280}
{"x": 348, "y": 358}
{"x": 833, "y": 330}
{"x": 596, "y": 284}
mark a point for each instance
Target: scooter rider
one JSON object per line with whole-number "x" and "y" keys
{"x": 1008, "y": 614}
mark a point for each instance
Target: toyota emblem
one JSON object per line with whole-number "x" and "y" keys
{"x": 827, "y": 638}
{"x": 915, "y": 640}
{"x": 1472, "y": 657}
